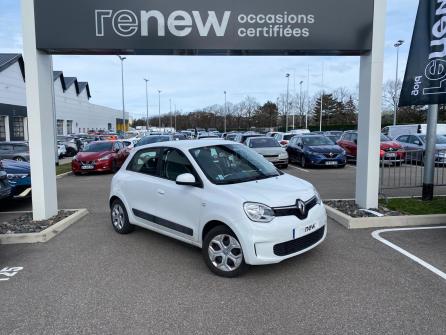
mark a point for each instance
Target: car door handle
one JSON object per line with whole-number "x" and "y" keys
{"x": 160, "y": 192}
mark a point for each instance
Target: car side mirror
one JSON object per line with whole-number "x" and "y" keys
{"x": 187, "y": 179}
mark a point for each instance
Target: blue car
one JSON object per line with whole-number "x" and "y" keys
{"x": 315, "y": 150}
{"x": 19, "y": 176}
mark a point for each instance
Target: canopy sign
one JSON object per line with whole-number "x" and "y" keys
{"x": 425, "y": 79}
{"x": 204, "y": 26}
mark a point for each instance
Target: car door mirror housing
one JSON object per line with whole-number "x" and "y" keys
{"x": 186, "y": 179}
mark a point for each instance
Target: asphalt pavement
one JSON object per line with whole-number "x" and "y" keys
{"x": 90, "y": 280}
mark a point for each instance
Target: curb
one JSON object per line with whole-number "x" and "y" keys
{"x": 64, "y": 174}
{"x": 384, "y": 222}
{"x": 44, "y": 235}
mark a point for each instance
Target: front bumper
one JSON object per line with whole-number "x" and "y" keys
{"x": 267, "y": 239}
{"x": 98, "y": 166}
{"x": 320, "y": 160}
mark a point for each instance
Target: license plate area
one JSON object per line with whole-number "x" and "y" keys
{"x": 331, "y": 163}
{"x": 87, "y": 167}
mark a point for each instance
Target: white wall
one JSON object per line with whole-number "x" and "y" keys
{"x": 69, "y": 105}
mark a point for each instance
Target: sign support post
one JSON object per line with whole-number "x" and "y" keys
{"x": 40, "y": 108}
{"x": 369, "y": 119}
{"x": 429, "y": 157}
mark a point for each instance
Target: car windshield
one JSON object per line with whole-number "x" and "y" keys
{"x": 98, "y": 147}
{"x": 232, "y": 163}
{"x": 288, "y": 137}
{"x": 267, "y": 142}
{"x": 440, "y": 139}
{"x": 332, "y": 138}
{"x": 384, "y": 138}
{"x": 316, "y": 140}
{"x": 153, "y": 139}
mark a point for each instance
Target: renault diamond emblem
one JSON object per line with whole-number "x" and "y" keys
{"x": 300, "y": 206}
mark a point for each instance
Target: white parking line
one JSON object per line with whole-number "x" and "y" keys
{"x": 297, "y": 168}
{"x": 376, "y": 235}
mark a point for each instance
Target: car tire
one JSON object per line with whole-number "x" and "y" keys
{"x": 119, "y": 218}
{"x": 217, "y": 241}
{"x": 114, "y": 167}
{"x": 19, "y": 159}
{"x": 303, "y": 162}
{"x": 77, "y": 173}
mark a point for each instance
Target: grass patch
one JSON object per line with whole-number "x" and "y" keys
{"x": 415, "y": 206}
{"x": 63, "y": 168}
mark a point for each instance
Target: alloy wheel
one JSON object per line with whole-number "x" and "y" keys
{"x": 118, "y": 218}
{"x": 225, "y": 252}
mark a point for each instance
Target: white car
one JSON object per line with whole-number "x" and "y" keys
{"x": 61, "y": 150}
{"x": 220, "y": 196}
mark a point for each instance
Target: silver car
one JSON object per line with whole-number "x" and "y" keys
{"x": 415, "y": 145}
{"x": 18, "y": 151}
{"x": 269, "y": 148}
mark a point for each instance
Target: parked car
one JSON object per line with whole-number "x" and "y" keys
{"x": 390, "y": 151}
{"x": 231, "y": 136}
{"x": 241, "y": 138}
{"x": 269, "y": 148}
{"x": 19, "y": 176}
{"x": 411, "y": 129}
{"x": 154, "y": 139}
{"x": 300, "y": 131}
{"x": 315, "y": 150}
{"x": 72, "y": 146}
{"x": 334, "y": 134}
{"x": 61, "y": 150}
{"x": 179, "y": 137}
{"x": 205, "y": 135}
{"x": 5, "y": 187}
{"x": 99, "y": 156}
{"x": 271, "y": 133}
{"x": 415, "y": 146}
{"x": 283, "y": 138}
{"x": 235, "y": 205}
{"x": 18, "y": 151}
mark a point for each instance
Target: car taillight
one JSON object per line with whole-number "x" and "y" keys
{"x": 283, "y": 142}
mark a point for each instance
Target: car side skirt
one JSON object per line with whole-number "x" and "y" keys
{"x": 163, "y": 222}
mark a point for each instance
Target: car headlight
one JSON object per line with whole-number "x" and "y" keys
{"x": 74, "y": 158}
{"x": 258, "y": 212}
{"x": 318, "y": 196}
{"x": 17, "y": 176}
{"x": 104, "y": 158}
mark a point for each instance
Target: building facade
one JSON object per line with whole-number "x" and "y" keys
{"x": 74, "y": 112}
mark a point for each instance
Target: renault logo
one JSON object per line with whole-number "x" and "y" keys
{"x": 300, "y": 206}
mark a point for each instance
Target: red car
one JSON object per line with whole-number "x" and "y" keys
{"x": 99, "y": 157}
{"x": 390, "y": 151}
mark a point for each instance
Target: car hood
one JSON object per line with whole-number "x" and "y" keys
{"x": 91, "y": 156}
{"x": 278, "y": 191}
{"x": 14, "y": 167}
{"x": 325, "y": 148}
{"x": 269, "y": 151}
{"x": 389, "y": 144}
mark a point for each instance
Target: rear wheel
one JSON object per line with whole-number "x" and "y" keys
{"x": 19, "y": 159}
{"x": 119, "y": 218}
{"x": 223, "y": 252}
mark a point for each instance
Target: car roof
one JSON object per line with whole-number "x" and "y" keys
{"x": 190, "y": 144}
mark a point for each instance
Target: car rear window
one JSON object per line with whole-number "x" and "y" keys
{"x": 263, "y": 143}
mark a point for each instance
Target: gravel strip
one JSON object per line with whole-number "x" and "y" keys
{"x": 25, "y": 223}
{"x": 350, "y": 208}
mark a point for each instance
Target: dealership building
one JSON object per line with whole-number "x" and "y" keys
{"x": 74, "y": 112}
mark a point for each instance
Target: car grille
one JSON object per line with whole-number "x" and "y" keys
{"x": 301, "y": 243}
{"x": 87, "y": 162}
{"x": 270, "y": 156}
{"x": 391, "y": 149}
{"x": 294, "y": 210}
{"x": 331, "y": 155}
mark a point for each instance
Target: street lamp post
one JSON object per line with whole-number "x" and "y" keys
{"x": 286, "y": 106}
{"x": 226, "y": 110}
{"x": 395, "y": 100}
{"x": 147, "y": 105}
{"x": 123, "y": 101}
{"x": 322, "y": 98}
{"x": 300, "y": 103}
{"x": 159, "y": 109}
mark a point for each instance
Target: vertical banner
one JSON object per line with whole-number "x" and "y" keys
{"x": 425, "y": 79}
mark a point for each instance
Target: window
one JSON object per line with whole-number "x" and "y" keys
{"x": 18, "y": 128}
{"x": 2, "y": 129}
{"x": 5, "y": 147}
{"x": 404, "y": 139}
{"x": 175, "y": 163}
{"x": 145, "y": 161}
{"x": 414, "y": 140}
{"x": 69, "y": 127}
{"x": 59, "y": 127}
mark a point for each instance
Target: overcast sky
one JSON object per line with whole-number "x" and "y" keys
{"x": 194, "y": 82}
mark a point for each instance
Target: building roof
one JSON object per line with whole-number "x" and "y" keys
{"x": 8, "y": 59}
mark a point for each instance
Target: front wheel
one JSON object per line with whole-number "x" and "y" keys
{"x": 303, "y": 162}
{"x": 223, "y": 252}
{"x": 19, "y": 159}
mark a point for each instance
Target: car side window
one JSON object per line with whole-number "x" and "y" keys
{"x": 403, "y": 138}
{"x": 146, "y": 161}
{"x": 174, "y": 164}
{"x": 5, "y": 147}
{"x": 414, "y": 140}
{"x": 353, "y": 137}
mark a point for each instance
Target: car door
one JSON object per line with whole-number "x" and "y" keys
{"x": 141, "y": 184}
{"x": 291, "y": 149}
{"x": 181, "y": 205}
{"x": 415, "y": 146}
